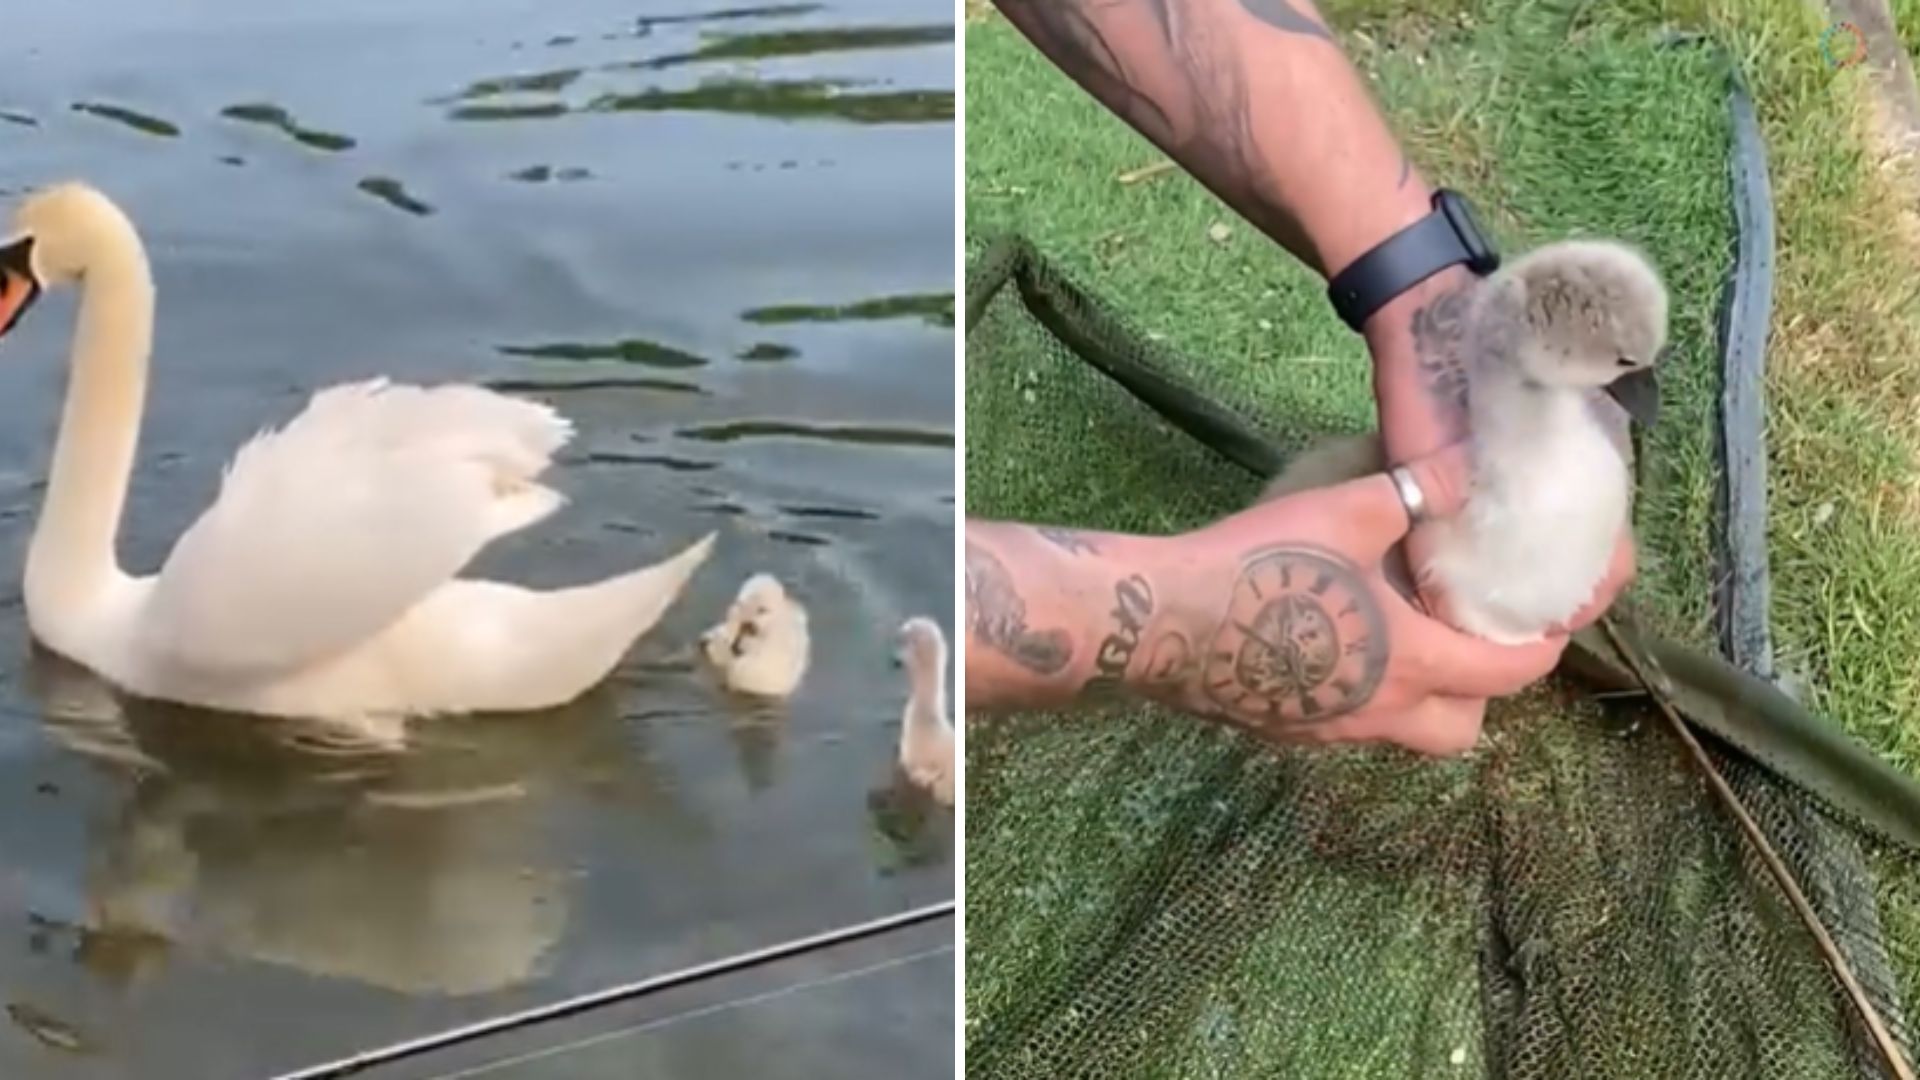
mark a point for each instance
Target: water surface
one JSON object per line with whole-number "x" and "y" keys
{"x": 721, "y": 242}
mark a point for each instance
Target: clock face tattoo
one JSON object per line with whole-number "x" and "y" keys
{"x": 1303, "y": 641}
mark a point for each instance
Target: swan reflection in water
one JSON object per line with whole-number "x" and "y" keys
{"x": 428, "y": 871}
{"x": 440, "y": 869}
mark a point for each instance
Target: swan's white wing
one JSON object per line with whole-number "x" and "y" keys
{"x": 326, "y": 531}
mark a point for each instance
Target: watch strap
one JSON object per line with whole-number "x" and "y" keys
{"x": 1445, "y": 237}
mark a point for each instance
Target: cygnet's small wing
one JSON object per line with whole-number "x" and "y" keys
{"x": 327, "y": 531}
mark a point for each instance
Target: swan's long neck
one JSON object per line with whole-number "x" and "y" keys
{"x": 72, "y": 558}
{"x": 927, "y": 702}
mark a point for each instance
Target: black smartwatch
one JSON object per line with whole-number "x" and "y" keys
{"x": 1447, "y": 235}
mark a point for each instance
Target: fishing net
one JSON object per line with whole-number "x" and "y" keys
{"x": 1151, "y": 896}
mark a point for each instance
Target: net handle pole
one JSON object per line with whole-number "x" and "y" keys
{"x": 627, "y": 992}
{"x": 1647, "y": 670}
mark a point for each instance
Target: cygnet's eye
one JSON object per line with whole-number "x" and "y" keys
{"x": 1625, "y": 361}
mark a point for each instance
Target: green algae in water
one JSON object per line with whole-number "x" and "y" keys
{"x": 394, "y": 194}
{"x": 764, "y": 351}
{"x": 934, "y": 308}
{"x": 629, "y": 351}
{"x": 843, "y": 433}
{"x": 804, "y": 43}
{"x": 139, "y": 121}
{"x": 793, "y": 99}
{"x": 274, "y": 116}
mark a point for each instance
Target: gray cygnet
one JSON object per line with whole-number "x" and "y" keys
{"x": 1551, "y": 488}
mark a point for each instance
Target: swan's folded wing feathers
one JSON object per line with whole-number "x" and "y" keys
{"x": 327, "y": 531}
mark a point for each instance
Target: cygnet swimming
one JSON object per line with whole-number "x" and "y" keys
{"x": 762, "y": 646}
{"x": 926, "y": 735}
{"x": 1551, "y": 488}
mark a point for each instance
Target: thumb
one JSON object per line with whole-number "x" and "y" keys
{"x": 1371, "y": 514}
{"x": 1439, "y": 726}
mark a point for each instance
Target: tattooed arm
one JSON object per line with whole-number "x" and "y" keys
{"x": 1278, "y": 619}
{"x": 1033, "y": 598}
{"x": 1256, "y": 100}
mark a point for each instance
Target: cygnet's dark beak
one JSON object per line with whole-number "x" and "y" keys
{"x": 738, "y": 647}
{"x": 18, "y": 287}
{"x": 1639, "y": 394}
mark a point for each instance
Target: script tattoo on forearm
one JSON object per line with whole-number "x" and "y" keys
{"x": 1439, "y": 344}
{"x": 997, "y": 617}
{"x": 1170, "y": 661}
{"x": 1132, "y": 605}
{"x": 1302, "y": 640}
{"x": 1067, "y": 540}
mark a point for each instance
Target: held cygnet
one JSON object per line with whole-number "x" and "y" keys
{"x": 1551, "y": 487}
{"x": 761, "y": 648}
{"x": 926, "y": 735}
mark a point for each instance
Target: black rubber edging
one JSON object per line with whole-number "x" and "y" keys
{"x": 1743, "y": 592}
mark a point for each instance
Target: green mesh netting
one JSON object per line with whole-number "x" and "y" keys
{"x": 1149, "y": 896}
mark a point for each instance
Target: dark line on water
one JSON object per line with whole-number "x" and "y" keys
{"x": 629, "y": 351}
{"x": 560, "y": 386}
{"x": 273, "y": 116}
{"x": 792, "y": 99}
{"x": 767, "y": 350}
{"x": 837, "y": 513}
{"x": 844, "y": 433}
{"x": 394, "y": 194}
{"x": 674, "y": 464}
{"x": 509, "y": 112}
{"x": 811, "y": 42}
{"x": 151, "y": 125}
{"x": 540, "y": 174}
{"x": 933, "y": 308}
{"x": 539, "y": 82}
{"x": 18, "y": 118}
{"x": 645, "y": 23}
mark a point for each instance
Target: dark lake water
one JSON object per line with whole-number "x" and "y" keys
{"x": 721, "y": 241}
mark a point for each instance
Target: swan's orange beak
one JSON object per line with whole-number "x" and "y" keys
{"x": 18, "y": 287}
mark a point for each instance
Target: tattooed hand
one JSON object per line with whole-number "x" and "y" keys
{"x": 1279, "y": 619}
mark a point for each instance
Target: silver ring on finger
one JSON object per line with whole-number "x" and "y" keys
{"x": 1410, "y": 494}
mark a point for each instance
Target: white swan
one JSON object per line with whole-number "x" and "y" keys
{"x": 762, "y": 647}
{"x": 320, "y": 583}
{"x": 926, "y": 735}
